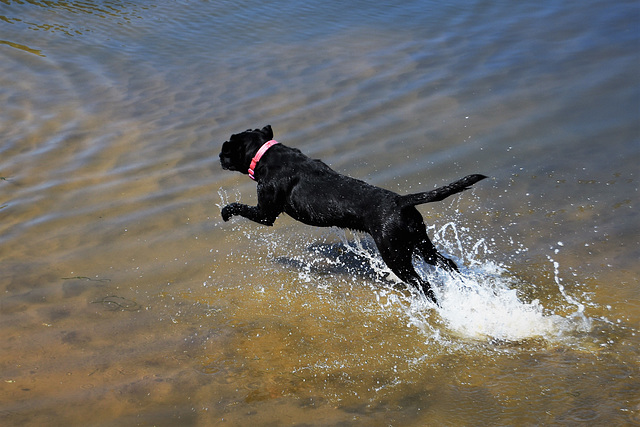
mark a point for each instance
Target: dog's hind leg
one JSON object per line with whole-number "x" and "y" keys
{"x": 401, "y": 265}
{"x": 435, "y": 258}
{"x": 408, "y": 275}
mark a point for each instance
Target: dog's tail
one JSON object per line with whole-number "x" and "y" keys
{"x": 440, "y": 193}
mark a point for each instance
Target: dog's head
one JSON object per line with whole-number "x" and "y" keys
{"x": 238, "y": 151}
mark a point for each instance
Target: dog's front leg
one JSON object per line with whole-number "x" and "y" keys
{"x": 250, "y": 212}
{"x": 265, "y": 213}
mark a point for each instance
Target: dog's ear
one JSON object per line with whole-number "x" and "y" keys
{"x": 267, "y": 131}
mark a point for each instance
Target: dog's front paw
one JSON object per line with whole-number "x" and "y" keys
{"x": 227, "y": 212}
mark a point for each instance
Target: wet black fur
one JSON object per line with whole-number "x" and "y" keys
{"x": 311, "y": 192}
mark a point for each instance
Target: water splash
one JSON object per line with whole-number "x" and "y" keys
{"x": 482, "y": 301}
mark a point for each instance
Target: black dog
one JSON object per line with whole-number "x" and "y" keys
{"x": 311, "y": 192}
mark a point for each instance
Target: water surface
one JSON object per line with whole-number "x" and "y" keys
{"x": 126, "y": 300}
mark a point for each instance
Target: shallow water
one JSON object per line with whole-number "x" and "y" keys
{"x": 126, "y": 300}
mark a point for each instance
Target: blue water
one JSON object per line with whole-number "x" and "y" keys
{"x": 125, "y": 299}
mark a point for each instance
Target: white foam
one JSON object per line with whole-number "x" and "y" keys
{"x": 479, "y": 304}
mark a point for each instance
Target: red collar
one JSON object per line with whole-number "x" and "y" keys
{"x": 259, "y": 155}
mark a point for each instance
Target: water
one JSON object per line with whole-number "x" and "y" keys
{"x": 126, "y": 300}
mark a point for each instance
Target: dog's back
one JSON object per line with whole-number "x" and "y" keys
{"x": 315, "y": 194}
